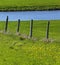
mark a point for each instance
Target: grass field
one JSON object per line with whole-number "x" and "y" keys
{"x": 17, "y": 51}
{"x": 14, "y": 5}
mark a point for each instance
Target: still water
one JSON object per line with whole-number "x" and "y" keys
{"x": 28, "y": 15}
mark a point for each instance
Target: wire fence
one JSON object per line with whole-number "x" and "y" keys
{"x": 38, "y": 28}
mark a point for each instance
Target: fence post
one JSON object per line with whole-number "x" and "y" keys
{"x": 47, "y": 31}
{"x": 31, "y": 27}
{"x": 18, "y": 25}
{"x": 6, "y": 25}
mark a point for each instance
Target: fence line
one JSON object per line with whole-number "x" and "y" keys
{"x": 30, "y": 29}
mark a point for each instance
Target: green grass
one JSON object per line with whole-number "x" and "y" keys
{"x": 17, "y": 5}
{"x": 15, "y": 51}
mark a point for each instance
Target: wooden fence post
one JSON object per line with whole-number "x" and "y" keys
{"x": 31, "y": 28}
{"x": 18, "y": 25}
{"x": 6, "y": 25}
{"x": 47, "y": 31}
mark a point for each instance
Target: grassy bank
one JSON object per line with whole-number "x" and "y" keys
{"x": 17, "y": 51}
{"x": 26, "y": 5}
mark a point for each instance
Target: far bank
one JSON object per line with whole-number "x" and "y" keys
{"x": 30, "y": 8}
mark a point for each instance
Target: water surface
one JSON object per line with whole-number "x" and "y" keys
{"x": 28, "y": 15}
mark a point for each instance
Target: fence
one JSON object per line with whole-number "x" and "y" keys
{"x": 38, "y": 29}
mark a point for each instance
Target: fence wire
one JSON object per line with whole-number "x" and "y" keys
{"x": 38, "y": 31}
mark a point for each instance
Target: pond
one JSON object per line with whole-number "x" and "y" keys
{"x": 28, "y": 15}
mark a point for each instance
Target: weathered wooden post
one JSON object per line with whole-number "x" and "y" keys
{"x": 18, "y": 25}
{"x": 31, "y": 28}
{"x": 47, "y": 31}
{"x": 6, "y": 25}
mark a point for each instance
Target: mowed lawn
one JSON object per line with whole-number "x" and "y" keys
{"x": 16, "y": 50}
